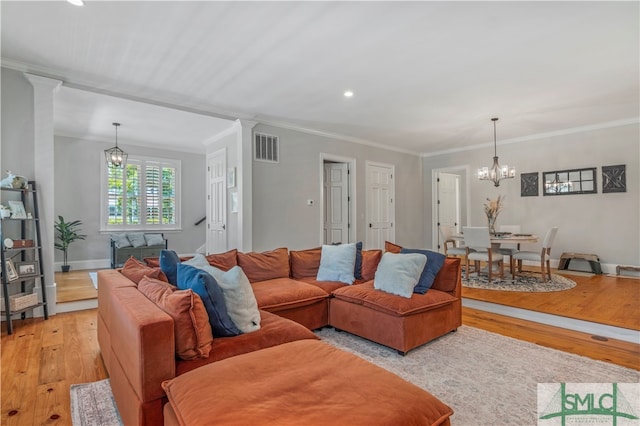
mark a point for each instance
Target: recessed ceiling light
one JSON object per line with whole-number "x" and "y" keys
{"x": 348, "y": 94}
{"x": 76, "y": 2}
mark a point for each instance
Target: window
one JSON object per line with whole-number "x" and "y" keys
{"x": 143, "y": 195}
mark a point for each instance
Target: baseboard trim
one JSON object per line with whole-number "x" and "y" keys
{"x": 612, "y": 332}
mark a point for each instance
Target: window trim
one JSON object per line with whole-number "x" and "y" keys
{"x": 143, "y": 159}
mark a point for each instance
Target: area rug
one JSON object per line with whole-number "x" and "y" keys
{"x": 528, "y": 282}
{"x": 92, "y": 404}
{"x": 94, "y": 279}
{"x": 486, "y": 378}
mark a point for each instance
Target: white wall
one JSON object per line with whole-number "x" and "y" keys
{"x": 77, "y": 196}
{"x": 281, "y": 216}
{"x": 605, "y": 224}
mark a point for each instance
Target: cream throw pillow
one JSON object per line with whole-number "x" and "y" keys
{"x": 399, "y": 273}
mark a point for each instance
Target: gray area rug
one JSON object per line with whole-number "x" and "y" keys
{"x": 528, "y": 282}
{"x": 92, "y": 404}
{"x": 487, "y": 379}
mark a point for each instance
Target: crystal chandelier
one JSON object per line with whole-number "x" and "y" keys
{"x": 497, "y": 172}
{"x": 115, "y": 156}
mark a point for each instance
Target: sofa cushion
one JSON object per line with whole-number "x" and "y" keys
{"x": 224, "y": 261}
{"x": 284, "y": 293}
{"x": 449, "y": 275}
{"x": 327, "y": 286}
{"x": 391, "y": 247}
{"x": 305, "y": 263}
{"x": 154, "y": 239}
{"x": 266, "y": 265}
{"x": 154, "y": 262}
{"x": 203, "y": 284}
{"x": 169, "y": 261}
{"x": 392, "y": 304}
{"x": 137, "y": 239}
{"x": 434, "y": 263}
{"x": 274, "y": 330}
{"x": 135, "y": 270}
{"x": 370, "y": 260}
{"x": 399, "y": 273}
{"x": 120, "y": 240}
{"x": 238, "y": 296}
{"x": 191, "y": 323}
{"x": 337, "y": 263}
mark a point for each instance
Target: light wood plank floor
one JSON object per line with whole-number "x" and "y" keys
{"x": 73, "y": 286}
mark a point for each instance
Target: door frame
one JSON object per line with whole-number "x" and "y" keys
{"x": 352, "y": 193}
{"x": 464, "y": 194}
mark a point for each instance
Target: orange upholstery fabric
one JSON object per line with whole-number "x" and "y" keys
{"x": 224, "y": 261}
{"x": 266, "y": 265}
{"x": 280, "y": 293}
{"x": 135, "y": 270}
{"x": 327, "y": 286}
{"x": 191, "y": 323}
{"x": 392, "y": 304}
{"x": 391, "y": 247}
{"x": 154, "y": 262}
{"x": 370, "y": 260}
{"x": 336, "y": 388}
{"x": 447, "y": 278}
{"x": 305, "y": 263}
{"x": 274, "y": 330}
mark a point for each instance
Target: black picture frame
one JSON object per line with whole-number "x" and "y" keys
{"x": 570, "y": 182}
{"x": 28, "y": 268}
{"x": 529, "y": 184}
{"x": 614, "y": 178}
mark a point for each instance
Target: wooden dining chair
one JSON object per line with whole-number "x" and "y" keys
{"x": 544, "y": 257}
{"x": 478, "y": 240}
{"x": 446, "y": 233}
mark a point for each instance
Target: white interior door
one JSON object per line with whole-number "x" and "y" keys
{"x": 217, "y": 202}
{"x": 380, "y": 207}
{"x": 448, "y": 185}
{"x": 336, "y": 203}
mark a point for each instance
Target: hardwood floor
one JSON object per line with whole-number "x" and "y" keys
{"x": 73, "y": 286}
{"x": 43, "y": 358}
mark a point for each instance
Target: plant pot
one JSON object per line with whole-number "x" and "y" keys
{"x": 65, "y": 268}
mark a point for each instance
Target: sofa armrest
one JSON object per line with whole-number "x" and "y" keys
{"x": 142, "y": 342}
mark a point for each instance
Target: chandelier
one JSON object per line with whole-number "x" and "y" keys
{"x": 115, "y": 156}
{"x": 497, "y": 172}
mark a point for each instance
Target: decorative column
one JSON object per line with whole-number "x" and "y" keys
{"x": 245, "y": 184}
{"x": 44, "y": 90}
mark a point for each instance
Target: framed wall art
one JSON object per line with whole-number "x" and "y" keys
{"x": 614, "y": 178}
{"x": 529, "y": 184}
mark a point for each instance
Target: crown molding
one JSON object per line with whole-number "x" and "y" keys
{"x": 129, "y": 142}
{"x": 563, "y": 132}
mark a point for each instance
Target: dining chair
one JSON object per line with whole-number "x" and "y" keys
{"x": 544, "y": 257}
{"x": 478, "y": 240}
{"x": 509, "y": 249}
{"x": 446, "y": 233}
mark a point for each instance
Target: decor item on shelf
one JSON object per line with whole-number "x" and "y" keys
{"x": 17, "y": 209}
{"x": 115, "y": 156}
{"x": 4, "y": 211}
{"x": 497, "y": 172}
{"x": 13, "y": 181}
{"x": 492, "y": 209}
{"x": 66, "y": 233}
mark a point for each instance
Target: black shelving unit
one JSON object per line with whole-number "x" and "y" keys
{"x": 23, "y": 229}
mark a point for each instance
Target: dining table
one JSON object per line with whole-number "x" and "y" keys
{"x": 505, "y": 238}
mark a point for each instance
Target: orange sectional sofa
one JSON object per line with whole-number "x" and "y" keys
{"x": 138, "y": 339}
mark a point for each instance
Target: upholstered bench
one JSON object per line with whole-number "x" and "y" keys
{"x": 298, "y": 383}
{"x": 398, "y": 322}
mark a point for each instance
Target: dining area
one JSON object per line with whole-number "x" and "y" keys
{"x": 486, "y": 249}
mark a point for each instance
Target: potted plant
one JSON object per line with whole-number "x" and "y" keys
{"x": 66, "y": 233}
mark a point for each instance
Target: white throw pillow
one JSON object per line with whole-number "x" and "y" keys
{"x": 399, "y": 273}
{"x": 198, "y": 261}
{"x": 337, "y": 263}
{"x": 242, "y": 306}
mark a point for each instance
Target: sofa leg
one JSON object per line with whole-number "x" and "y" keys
{"x": 402, "y": 353}
{"x": 337, "y": 329}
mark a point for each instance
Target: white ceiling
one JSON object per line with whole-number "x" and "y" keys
{"x": 427, "y": 76}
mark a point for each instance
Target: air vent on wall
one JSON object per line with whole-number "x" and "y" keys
{"x": 266, "y": 148}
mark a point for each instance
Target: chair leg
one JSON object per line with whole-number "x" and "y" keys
{"x": 549, "y": 268}
{"x": 543, "y": 276}
{"x": 466, "y": 264}
{"x": 501, "y": 268}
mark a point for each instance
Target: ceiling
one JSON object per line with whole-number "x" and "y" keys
{"x": 427, "y": 76}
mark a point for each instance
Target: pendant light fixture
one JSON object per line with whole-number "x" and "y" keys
{"x": 497, "y": 172}
{"x": 115, "y": 156}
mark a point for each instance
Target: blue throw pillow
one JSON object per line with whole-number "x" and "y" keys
{"x": 337, "y": 263}
{"x": 169, "y": 261}
{"x": 205, "y": 286}
{"x": 435, "y": 261}
{"x": 357, "y": 270}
